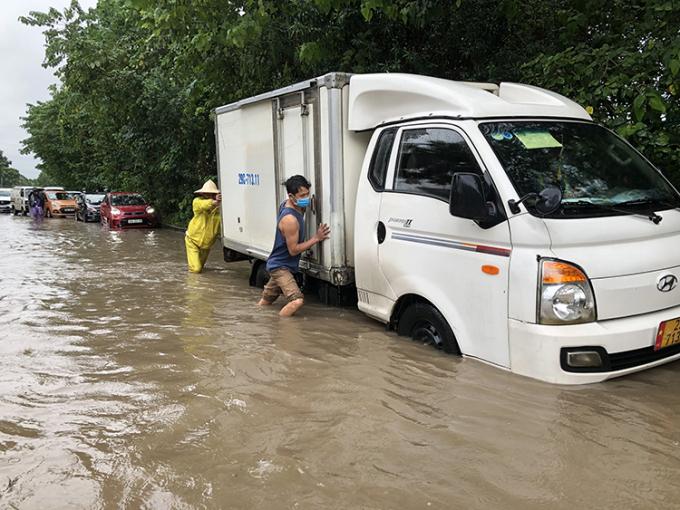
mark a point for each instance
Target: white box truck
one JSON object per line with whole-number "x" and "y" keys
{"x": 19, "y": 200}
{"x": 494, "y": 220}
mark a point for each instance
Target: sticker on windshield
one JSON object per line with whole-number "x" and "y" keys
{"x": 537, "y": 139}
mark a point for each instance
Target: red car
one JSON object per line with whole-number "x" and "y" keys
{"x": 122, "y": 209}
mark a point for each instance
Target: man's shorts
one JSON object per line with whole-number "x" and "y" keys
{"x": 281, "y": 281}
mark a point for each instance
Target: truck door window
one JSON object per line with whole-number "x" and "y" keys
{"x": 381, "y": 158}
{"x": 428, "y": 159}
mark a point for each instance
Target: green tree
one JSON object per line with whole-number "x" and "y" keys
{"x": 625, "y": 64}
{"x": 9, "y": 176}
{"x": 140, "y": 78}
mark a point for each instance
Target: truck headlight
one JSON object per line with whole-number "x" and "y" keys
{"x": 565, "y": 294}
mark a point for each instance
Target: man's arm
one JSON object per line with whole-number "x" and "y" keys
{"x": 206, "y": 204}
{"x": 290, "y": 228}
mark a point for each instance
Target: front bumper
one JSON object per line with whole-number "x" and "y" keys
{"x": 536, "y": 350}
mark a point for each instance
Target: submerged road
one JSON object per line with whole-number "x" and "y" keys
{"x": 126, "y": 382}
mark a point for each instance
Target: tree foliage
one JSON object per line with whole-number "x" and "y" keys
{"x": 10, "y": 177}
{"x": 139, "y": 78}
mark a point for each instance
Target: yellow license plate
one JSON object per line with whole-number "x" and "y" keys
{"x": 668, "y": 334}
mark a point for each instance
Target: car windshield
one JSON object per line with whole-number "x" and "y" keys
{"x": 59, "y": 195}
{"x": 94, "y": 199}
{"x": 595, "y": 169}
{"x": 127, "y": 200}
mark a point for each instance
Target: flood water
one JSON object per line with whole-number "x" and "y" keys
{"x": 126, "y": 382}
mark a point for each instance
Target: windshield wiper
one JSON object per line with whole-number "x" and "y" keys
{"x": 651, "y": 216}
{"x": 649, "y": 201}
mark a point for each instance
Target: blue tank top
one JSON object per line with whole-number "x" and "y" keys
{"x": 280, "y": 256}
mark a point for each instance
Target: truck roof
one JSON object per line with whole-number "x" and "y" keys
{"x": 381, "y": 98}
{"x": 376, "y": 99}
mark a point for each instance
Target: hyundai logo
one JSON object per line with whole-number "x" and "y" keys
{"x": 666, "y": 282}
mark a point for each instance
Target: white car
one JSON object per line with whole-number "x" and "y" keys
{"x": 5, "y": 199}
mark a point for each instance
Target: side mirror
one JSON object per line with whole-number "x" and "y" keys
{"x": 467, "y": 199}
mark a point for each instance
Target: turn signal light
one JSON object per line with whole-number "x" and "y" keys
{"x": 555, "y": 272}
{"x": 492, "y": 270}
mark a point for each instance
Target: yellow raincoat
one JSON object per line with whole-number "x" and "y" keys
{"x": 202, "y": 232}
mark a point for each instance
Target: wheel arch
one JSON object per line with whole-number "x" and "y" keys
{"x": 450, "y": 315}
{"x": 402, "y": 304}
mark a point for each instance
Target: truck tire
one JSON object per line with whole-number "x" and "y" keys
{"x": 14, "y": 211}
{"x": 261, "y": 276}
{"x": 424, "y": 323}
{"x": 24, "y": 212}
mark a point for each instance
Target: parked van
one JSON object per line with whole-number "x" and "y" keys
{"x": 19, "y": 200}
{"x": 494, "y": 220}
{"x": 5, "y": 200}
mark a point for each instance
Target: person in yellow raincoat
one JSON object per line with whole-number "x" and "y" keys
{"x": 204, "y": 226}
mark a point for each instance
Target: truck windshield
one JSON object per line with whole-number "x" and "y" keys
{"x": 598, "y": 172}
{"x": 4, "y": 193}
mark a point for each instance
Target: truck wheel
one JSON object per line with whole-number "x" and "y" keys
{"x": 424, "y": 323}
{"x": 14, "y": 211}
{"x": 262, "y": 276}
{"x": 24, "y": 212}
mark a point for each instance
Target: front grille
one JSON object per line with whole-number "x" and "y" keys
{"x": 619, "y": 360}
{"x": 628, "y": 359}
{"x": 134, "y": 213}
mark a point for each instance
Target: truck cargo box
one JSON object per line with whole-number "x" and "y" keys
{"x": 263, "y": 140}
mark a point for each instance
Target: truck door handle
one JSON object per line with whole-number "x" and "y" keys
{"x": 382, "y": 232}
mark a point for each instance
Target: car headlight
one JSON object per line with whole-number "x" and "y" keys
{"x": 115, "y": 211}
{"x": 565, "y": 294}
{"x": 150, "y": 210}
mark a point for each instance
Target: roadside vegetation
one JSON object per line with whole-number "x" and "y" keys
{"x": 140, "y": 78}
{"x": 9, "y": 176}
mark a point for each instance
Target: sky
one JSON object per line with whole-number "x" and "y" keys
{"x": 24, "y": 80}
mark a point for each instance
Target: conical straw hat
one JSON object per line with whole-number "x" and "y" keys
{"x": 208, "y": 187}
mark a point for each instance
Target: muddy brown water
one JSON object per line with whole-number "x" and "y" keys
{"x": 126, "y": 382}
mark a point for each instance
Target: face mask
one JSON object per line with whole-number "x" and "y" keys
{"x": 303, "y": 202}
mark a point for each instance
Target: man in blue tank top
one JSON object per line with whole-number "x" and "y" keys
{"x": 289, "y": 244}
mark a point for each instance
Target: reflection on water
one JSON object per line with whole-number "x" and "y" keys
{"x": 127, "y": 382}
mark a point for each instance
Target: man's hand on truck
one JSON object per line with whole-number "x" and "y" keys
{"x": 323, "y": 233}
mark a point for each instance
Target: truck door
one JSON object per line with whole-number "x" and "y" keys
{"x": 295, "y": 153}
{"x": 375, "y": 297}
{"x": 447, "y": 260}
